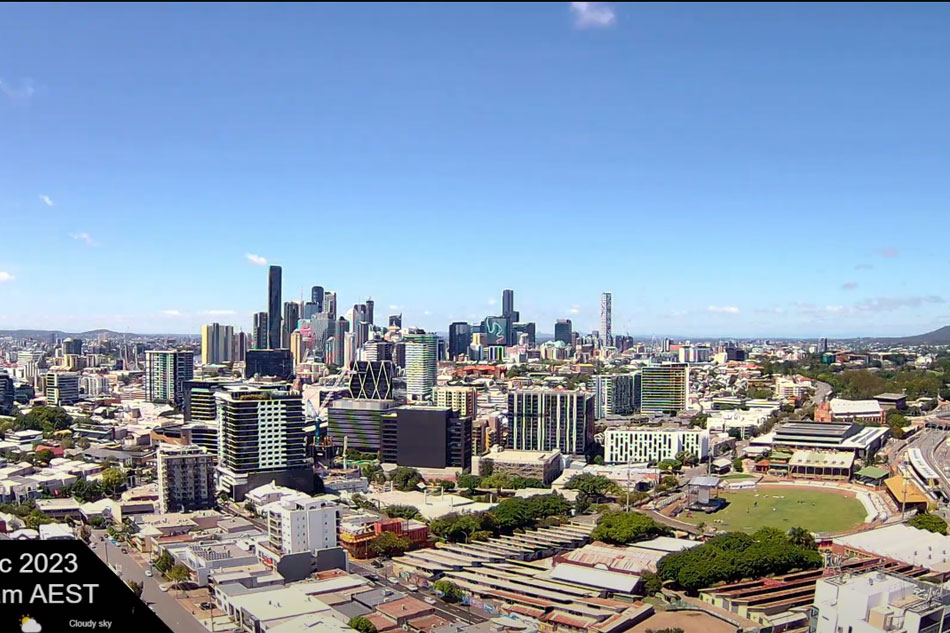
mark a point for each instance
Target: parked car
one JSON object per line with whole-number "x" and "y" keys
{"x": 148, "y": 573}
{"x": 163, "y": 587}
{"x": 393, "y": 580}
{"x": 429, "y": 600}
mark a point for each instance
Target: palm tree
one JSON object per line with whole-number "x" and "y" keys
{"x": 802, "y": 538}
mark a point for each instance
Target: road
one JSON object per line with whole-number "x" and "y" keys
{"x": 451, "y": 612}
{"x": 164, "y": 604}
{"x": 822, "y": 391}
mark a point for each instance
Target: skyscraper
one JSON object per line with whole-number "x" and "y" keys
{"x": 460, "y": 337}
{"x": 329, "y": 304}
{"x": 273, "y": 307}
{"x": 260, "y": 330}
{"x": 605, "y": 308}
{"x": 165, "y": 374}
{"x": 216, "y": 343}
{"x": 508, "y": 305}
{"x": 291, "y": 316}
{"x": 372, "y": 380}
{"x": 421, "y": 364}
{"x": 317, "y": 297}
{"x": 370, "y": 310}
{"x": 62, "y": 388}
{"x": 262, "y": 440}
{"x": 563, "y": 331}
{"x": 395, "y": 320}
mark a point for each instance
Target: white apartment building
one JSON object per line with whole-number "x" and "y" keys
{"x": 641, "y": 445}
{"x": 875, "y": 602}
{"x": 791, "y": 389}
{"x": 94, "y": 385}
{"x": 421, "y": 364}
{"x": 460, "y": 399}
{"x": 185, "y": 478}
{"x": 62, "y": 388}
{"x": 298, "y": 524}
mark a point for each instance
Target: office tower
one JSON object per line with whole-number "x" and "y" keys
{"x": 322, "y": 329}
{"x": 185, "y": 478}
{"x": 273, "y": 308}
{"x": 399, "y": 355}
{"x": 262, "y": 440}
{"x": 291, "y": 316}
{"x": 7, "y": 393}
{"x": 165, "y": 374}
{"x": 309, "y": 310}
{"x": 395, "y": 320}
{"x": 372, "y": 380}
{"x": 317, "y": 296}
{"x": 613, "y": 395}
{"x": 239, "y": 347}
{"x": 72, "y": 346}
{"x": 359, "y": 421}
{"x": 563, "y": 331}
{"x": 269, "y": 362}
{"x": 545, "y": 419}
{"x": 349, "y": 349}
{"x": 508, "y": 305}
{"x": 378, "y": 350}
{"x": 216, "y": 343}
{"x": 524, "y": 328}
{"x": 370, "y": 310}
{"x": 605, "y": 309}
{"x": 823, "y": 345}
{"x": 199, "y": 402}
{"x": 460, "y": 336}
{"x": 62, "y": 388}
{"x": 421, "y": 353}
{"x": 462, "y": 400}
{"x": 664, "y": 388}
{"x": 329, "y": 304}
{"x": 260, "y": 330}
{"x": 300, "y": 524}
{"x": 498, "y": 330}
{"x": 427, "y": 437}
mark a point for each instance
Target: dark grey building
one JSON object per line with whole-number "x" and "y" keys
{"x": 427, "y": 437}
{"x": 563, "y": 331}
{"x": 260, "y": 331}
{"x": 273, "y": 307}
{"x": 359, "y": 421}
{"x": 525, "y": 328}
{"x": 460, "y": 337}
{"x": 291, "y": 316}
{"x": 199, "y": 397}
{"x": 395, "y": 320}
{"x": 6, "y": 393}
{"x": 372, "y": 380}
{"x": 72, "y": 346}
{"x": 497, "y": 330}
{"x": 317, "y": 296}
{"x": 269, "y": 362}
{"x": 508, "y": 305}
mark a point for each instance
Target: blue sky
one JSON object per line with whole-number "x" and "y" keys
{"x": 724, "y": 170}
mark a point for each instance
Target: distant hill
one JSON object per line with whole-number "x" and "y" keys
{"x": 89, "y": 334}
{"x": 937, "y": 337}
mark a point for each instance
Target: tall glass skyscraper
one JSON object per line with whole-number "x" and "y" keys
{"x": 605, "y": 309}
{"x": 563, "y": 331}
{"x": 273, "y": 307}
{"x": 316, "y": 296}
{"x": 422, "y": 352}
{"x": 460, "y": 337}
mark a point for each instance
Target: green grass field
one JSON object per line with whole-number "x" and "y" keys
{"x": 736, "y": 476}
{"x": 814, "y": 510}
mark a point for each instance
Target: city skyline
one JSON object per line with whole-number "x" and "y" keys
{"x": 767, "y": 183}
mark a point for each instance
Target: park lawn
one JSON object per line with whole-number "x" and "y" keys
{"x": 814, "y": 510}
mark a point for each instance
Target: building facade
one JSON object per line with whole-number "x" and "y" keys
{"x": 422, "y": 352}
{"x": 217, "y": 342}
{"x": 185, "y": 478}
{"x": 642, "y": 445}
{"x": 372, "y": 380}
{"x": 664, "y": 388}
{"x": 563, "y": 331}
{"x": 360, "y": 422}
{"x": 615, "y": 394}
{"x": 427, "y": 437}
{"x": 166, "y": 372}
{"x": 548, "y": 419}
{"x": 462, "y": 400}
{"x": 273, "y": 307}
{"x": 62, "y": 388}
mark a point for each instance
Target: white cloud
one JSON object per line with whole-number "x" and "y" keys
{"x": 776, "y": 310}
{"x": 849, "y": 285}
{"x": 492, "y": 302}
{"x": 20, "y": 93}
{"x": 426, "y": 312}
{"x": 723, "y": 309}
{"x": 46, "y": 200}
{"x": 592, "y": 15}
{"x": 257, "y": 260}
{"x": 29, "y": 625}
{"x": 888, "y": 304}
{"x": 5, "y": 277}
{"x": 83, "y": 237}
{"x": 575, "y": 309}
{"x": 174, "y": 313}
{"x": 835, "y": 309}
{"x": 217, "y": 312}
{"x": 864, "y": 267}
{"x": 393, "y": 306}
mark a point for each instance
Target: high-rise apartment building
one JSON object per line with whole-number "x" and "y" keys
{"x": 460, "y": 337}
{"x": 372, "y": 380}
{"x": 664, "y": 388}
{"x": 62, "y": 388}
{"x": 260, "y": 330}
{"x": 185, "y": 478}
{"x": 301, "y": 524}
{"x": 378, "y": 350}
{"x": 262, "y": 439}
{"x": 563, "y": 331}
{"x": 605, "y": 319}
{"x": 297, "y": 349}
{"x": 545, "y": 419}
{"x": 421, "y": 365}
{"x": 462, "y": 400}
{"x": 165, "y": 374}
{"x": 216, "y": 343}
{"x": 273, "y": 307}
{"x": 614, "y": 394}
{"x": 239, "y": 346}
{"x": 7, "y": 393}
{"x": 289, "y": 323}
{"x": 525, "y": 328}
{"x": 199, "y": 402}
{"x": 427, "y": 437}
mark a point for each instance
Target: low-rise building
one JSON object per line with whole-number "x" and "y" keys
{"x": 545, "y": 466}
{"x": 645, "y": 444}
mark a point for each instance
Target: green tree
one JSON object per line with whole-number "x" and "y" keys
{"x": 449, "y": 591}
{"x": 737, "y": 464}
{"x": 620, "y": 528}
{"x": 802, "y": 538}
{"x": 403, "y": 512}
{"x": 594, "y": 486}
{"x": 406, "y": 479}
{"x": 670, "y": 465}
{"x": 362, "y": 625}
{"x": 37, "y": 518}
{"x": 512, "y": 514}
{"x": 178, "y": 574}
{"x": 467, "y": 480}
{"x": 581, "y": 503}
{"x": 112, "y": 480}
{"x": 136, "y": 587}
{"x": 389, "y": 544}
{"x": 929, "y": 522}
{"x": 44, "y": 455}
{"x": 164, "y": 562}
{"x": 652, "y": 584}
